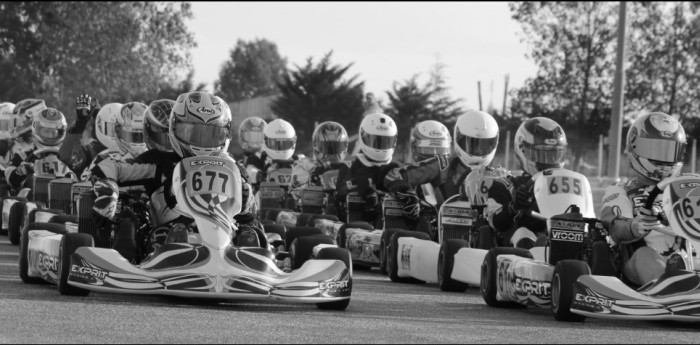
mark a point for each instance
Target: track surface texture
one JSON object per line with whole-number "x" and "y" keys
{"x": 380, "y": 312}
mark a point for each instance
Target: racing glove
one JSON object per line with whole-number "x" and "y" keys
{"x": 106, "y": 195}
{"x": 524, "y": 197}
{"x": 25, "y": 168}
{"x": 646, "y": 221}
{"x": 82, "y": 112}
{"x": 411, "y": 202}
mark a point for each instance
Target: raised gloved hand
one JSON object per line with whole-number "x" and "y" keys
{"x": 106, "y": 195}
{"x": 411, "y": 204}
{"x": 25, "y": 168}
{"x": 646, "y": 221}
{"x": 523, "y": 197}
{"x": 82, "y": 112}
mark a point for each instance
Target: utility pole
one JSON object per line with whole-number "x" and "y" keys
{"x": 478, "y": 84}
{"x": 505, "y": 96}
{"x": 618, "y": 96}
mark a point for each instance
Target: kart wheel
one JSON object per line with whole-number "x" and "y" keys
{"x": 63, "y": 219}
{"x": 342, "y": 238}
{"x": 423, "y": 225}
{"x": 272, "y": 213}
{"x": 446, "y": 260}
{"x": 301, "y": 248}
{"x": 489, "y": 275}
{"x": 313, "y": 218}
{"x": 24, "y": 249}
{"x": 266, "y": 222}
{"x": 69, "y": 244}
{"x": 303, "y": 219}
{"x": 14, "y": 226}
{"x": 31, "y": 216}
{"x": 485, "y": 239}
{"x": 384, "y": 244}
{"x": 600, "y": 262}
{"x": 298, "y": 231}
{"x": 275, "y": 229}
{"x": 392, "y": 262}
{"x": 566, "y": 272}
{"x": 344, "y": 256}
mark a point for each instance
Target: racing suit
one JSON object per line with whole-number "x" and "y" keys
{"x": 510, "y": 200}
{"x": 621, "y": 203}
{"x": 366, "y": 180}
{"x": 24, "y": 163}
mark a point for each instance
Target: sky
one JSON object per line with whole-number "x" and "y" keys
{"x": 387, "y": 42}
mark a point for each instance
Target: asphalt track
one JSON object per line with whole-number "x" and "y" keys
{"x": 380, "y": 312}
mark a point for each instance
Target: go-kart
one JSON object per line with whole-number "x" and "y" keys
{"x": 445, "y": 257}
{"x": 211, "y": 267}
{"x": 673, "y": 296}
{"x": 516, "y": 277}
{"x": 17, "y": 210}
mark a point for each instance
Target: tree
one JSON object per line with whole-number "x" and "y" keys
{"x": 171, "y": 91}
{"x": 572, "y": 43}
{"x": 254, "y": 70}
{"x": 411, "y": 103}
{"x": 317, "y": 93}
{"x": 117, "y": 51}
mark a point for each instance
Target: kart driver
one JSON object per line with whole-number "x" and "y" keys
{"x": 655, "y": 149}
{"x": 540, "y": 144}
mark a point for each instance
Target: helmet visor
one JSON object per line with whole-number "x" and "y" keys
{"x": 280, "y": 144}
{"x": 478, "y": 147}
{"x": 130, "y": 137}
{"x": 332, "y": 147}
{"x": 49, "y": 133}
{"x": 379, "y": 142}
{"x": 660, "y": 150}
{"x": 157, "y": 134}
{"x": 432, "y": 147}
{"x": 253, "y": 138}
{"x": 200, "y": 135}
{"x": 542, "y": 154}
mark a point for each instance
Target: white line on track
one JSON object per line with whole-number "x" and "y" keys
{"x": 8, "y": 278}
{"x": 9, "y": 264}
{"x": 9, "y": 254}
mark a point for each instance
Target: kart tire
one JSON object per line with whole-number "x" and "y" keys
{"x": 344, "y": 256}
{"x": 298, "y": 231}
{"x": 566, "y": 272}
{"x": 4, "y": 191}
{"x": 272, "y": 213}
{"x": 600, "y": 262}
{"x": 392, "y": 265}
{"x": 266, "y": 222}
{"x": 69, "y": 244}
{"x": 14, "y": 226}
{"x": 313, "y": 217}
{"x": 446, "y": 261}
{"x": 489, "y": 276}
{"x": 31, "y": 216}
{"x": 423, "y": 225}
{"x": 342, "y": 232}
{"x": 24, "y": 249}
{"x": 384, "y": 242}
{"x": 275, "y": 229}
{"x": 63, "y": 219}
{"x": 303, "y": 219}
{"x": 302, "y": 247}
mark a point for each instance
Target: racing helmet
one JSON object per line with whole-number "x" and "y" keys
{"x": 7, "y": 120}
{"x": 330, "y": 141}
{"x": 155, "y": 127}
{"x": 105, "y": 121}
{"x": 250, "y": 134}
{"x": 540, "y": 143}
{"x": 656, "y": 146}
{"x": 129, "y": 128}
{"x": 428, "y": 139}
{"x": 49, "y": 128}
{"x": 24, "y": 113}
{"x": 200, "y": 125}
{"x": 279, "y": 140}
{"x": 476, "y": 138}
{"x": 378, "y": 136}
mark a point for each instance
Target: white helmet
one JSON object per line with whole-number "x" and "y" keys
{"x": 129, "y": 128}
{"x": 656, "y": 146}
{"x": 105, "y": 121}
{"x": 250, "y": 134}
{"x": 200, "y": 125}
{"x": 476, "y": 138}
{"x": 378, "y": 136}
{"x": 24, "y": 113}
{"x": 49, "y": 128}
{"x": 429, "y": 139}
{"x": 280, "y": 140}
{"x": 7, "y": 121}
